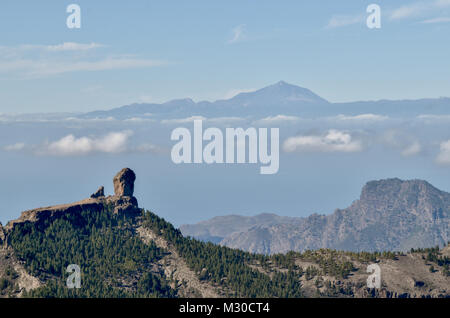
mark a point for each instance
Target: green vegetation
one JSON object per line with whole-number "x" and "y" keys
{"x": 227, "y": 268}
{"x": 7, "y": 285}
{"x": 102, "y": 244}
{"x": 115, "y": 262}
{"x": 434, "y": 256}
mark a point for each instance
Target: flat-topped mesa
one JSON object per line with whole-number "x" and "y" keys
{"x": 123, "y": 202}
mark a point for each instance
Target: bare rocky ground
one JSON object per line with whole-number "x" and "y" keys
{"x": 406, "y": 276}
{"x": 14, "y": 279}
{"x": 322, "y": 272}
{"x": 174, "y": 266}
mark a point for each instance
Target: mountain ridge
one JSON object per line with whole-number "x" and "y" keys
{"x": 272, "y": 100}
{"x": 139, "y": 254}
{"x": 405, "y": 214}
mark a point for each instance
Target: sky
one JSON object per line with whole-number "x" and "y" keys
{"x": 155, "y": 51}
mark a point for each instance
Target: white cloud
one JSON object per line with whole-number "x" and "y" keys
{"x": 140, "y": 119}
{"x": 66, "y": 46}
{"x": 278, "y": 119}
{"x": 233, "y": 92}
{"x": 444, "y": 154}
{"x": 29, "y": 68}
{"x": 70, "y": 145}
{"x": 332, "y": 141}
{"x": 182, "y": 120}
{"x": 15, "y": 147}
{"x": 338, "y": 21}
{"x": 72, "y": 46}
{"x": 30, "y": 49}
{"x": 362, "y": 117}
{"x": 436, "y": 20}
{"x": 430, "y": 119}
{"x": 411, "y": 10}
{"x": 408, "y": 11}
{"x": 213, "y": 120}
{"x": 412, "y": 150}
{"x": 401, "y": 141}
{"x": 224, "y": 120}
{"x": 37, "y": 61}
{"x": 239, "y": 34}
{"x": 114, "y": 142}
{"x": 418, "y": 9}
{"x": 95, "y": 119}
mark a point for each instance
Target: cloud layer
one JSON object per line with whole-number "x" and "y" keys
{"x": 444, "y": 154}
{"x": 70, "y": 145}
{"x": 332, "y": 141}
{"x": 37, "y": 61}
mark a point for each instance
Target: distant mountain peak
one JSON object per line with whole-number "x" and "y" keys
{"x": 391, "y": 214}
{"x": 279, "y": 93}
{"x": 396, "y": 186}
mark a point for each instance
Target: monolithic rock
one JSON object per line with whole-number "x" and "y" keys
{"x": 122, "y": 202}
{"x": 124, "y": 183}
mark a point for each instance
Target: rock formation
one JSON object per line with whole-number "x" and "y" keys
{"x": 99, "y": 193}
{"x": 124, "y": 183}
{"x": 123, "y": 202}
{"x": 391, "y": 214}
{"x": 2, "y": 234}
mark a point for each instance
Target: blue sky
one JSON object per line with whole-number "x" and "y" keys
{"x": 154, "y": 51}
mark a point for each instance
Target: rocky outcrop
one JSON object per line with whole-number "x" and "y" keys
{"x": 123, "y": 205}
{"x": 122, "y": 202}
{"x": 2, "y": 234}
{"x": 99, "y": 193}
{"x": 391, "y": 214}
{"x": 52, "y": 212}
{"x": 124, "y": 183}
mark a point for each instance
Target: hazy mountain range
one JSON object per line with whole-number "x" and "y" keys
{"x": 279, "y": 98}
{"x": 390, "y": 215}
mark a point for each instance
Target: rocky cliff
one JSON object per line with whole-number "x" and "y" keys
{"x": 122, "y": 202}
{"x": 390, "y": 214}
{"x": 123, "y": 251}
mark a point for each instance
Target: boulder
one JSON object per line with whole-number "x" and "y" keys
{"x": 99, "y": 193}
{"x": 124, "y": 183}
